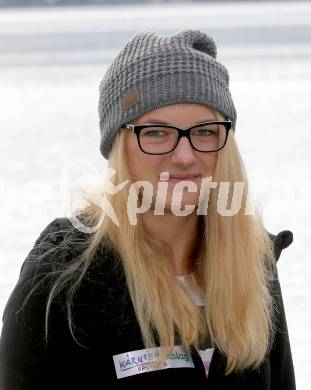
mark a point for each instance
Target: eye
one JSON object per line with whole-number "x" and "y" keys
{"x": 203, "y": 132}
{"x": 155, "y": 133}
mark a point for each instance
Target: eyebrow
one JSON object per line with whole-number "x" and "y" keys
{"x": 161, "y": 122}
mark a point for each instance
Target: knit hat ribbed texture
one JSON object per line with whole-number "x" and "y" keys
{"x": 153, "y": 71}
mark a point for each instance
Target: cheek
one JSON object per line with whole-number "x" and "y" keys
{"x": 133, "y": 157}
{"x": 141, "y": 165}
{"x": 209, "y": 162}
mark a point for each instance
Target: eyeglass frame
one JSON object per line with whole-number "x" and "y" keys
{"x": 181, "y": 133}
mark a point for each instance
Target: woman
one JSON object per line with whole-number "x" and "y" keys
{"x": 158, "y": 281}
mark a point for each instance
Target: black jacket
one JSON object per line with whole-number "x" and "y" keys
{"x": 107, "y": 326}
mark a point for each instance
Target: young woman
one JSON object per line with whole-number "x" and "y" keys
{"x": 168, "y": 277}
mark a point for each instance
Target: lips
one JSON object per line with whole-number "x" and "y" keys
{"x": 183, "y": 177}
{"x": 180, "y": 177}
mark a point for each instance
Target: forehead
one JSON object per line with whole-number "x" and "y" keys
{"x": 180, "y": 114}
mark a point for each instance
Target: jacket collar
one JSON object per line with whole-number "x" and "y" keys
{"x": 281, "y": 241}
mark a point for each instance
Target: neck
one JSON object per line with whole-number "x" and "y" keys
{"x": 178, "y": 232}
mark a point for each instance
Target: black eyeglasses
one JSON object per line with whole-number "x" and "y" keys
{"x": 161, "y": 139}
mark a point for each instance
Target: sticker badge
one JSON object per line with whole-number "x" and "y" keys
{"x": 142, "y": 360}
{"x": 206, "y": 356}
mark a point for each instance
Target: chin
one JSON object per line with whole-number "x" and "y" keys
{"x": 184, "y": 203}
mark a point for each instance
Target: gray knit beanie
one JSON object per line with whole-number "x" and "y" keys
{"x": 153, "y": 71}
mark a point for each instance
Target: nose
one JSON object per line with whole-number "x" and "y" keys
{"x": 183, "y": 153}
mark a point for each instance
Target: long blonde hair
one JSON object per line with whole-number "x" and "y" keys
{"x": 232, "y": 265}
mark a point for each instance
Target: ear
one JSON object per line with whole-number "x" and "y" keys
{"x": 281, "y": 240}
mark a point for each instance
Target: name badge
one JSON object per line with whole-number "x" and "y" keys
{"x": 142, "y": 360}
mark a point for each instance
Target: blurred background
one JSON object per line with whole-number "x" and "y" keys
{"x": 53, "y": 55}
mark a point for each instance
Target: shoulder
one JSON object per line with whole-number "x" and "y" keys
{"x": 280, "y": 241}
{"x": 57, "y": 230}
{"x": 61, "y": 243}
{"x": 49, "y": 247}
{"x": 57, "y": 247}
{"x": 62, "y": 237}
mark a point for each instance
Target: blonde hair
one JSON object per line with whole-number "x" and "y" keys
{"x": 232, "y": 264}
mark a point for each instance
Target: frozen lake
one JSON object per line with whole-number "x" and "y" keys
{"x": 51, "y": 63}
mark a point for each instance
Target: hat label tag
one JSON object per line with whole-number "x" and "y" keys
{"x": 130, "y": 99}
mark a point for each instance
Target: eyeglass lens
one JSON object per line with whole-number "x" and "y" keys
{"x": 161, "y": 139}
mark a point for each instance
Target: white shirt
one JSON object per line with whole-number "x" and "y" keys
{"x": 206, "y": 353}
{"x": 198, "y": 298}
